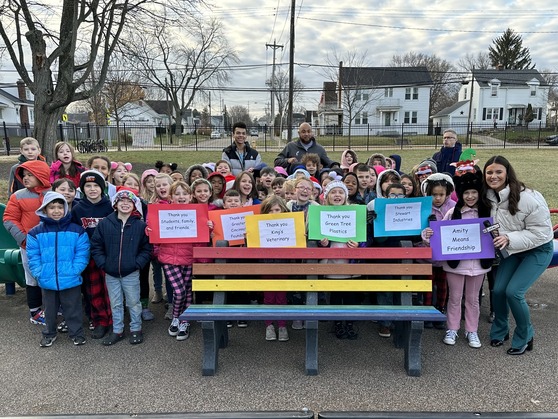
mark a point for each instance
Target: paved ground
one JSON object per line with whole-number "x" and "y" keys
{"x": 163, "y": 375}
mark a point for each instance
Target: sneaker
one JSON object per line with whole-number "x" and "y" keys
{"x": 79, "y": 340}
{"x": 91, "y": 326}
{"x": 173, "y": 328}
{"x": 229, "y": 324}
{"x": 384, "y": 332}
{"x": 283, "y": 334}
{"x": 113, "y": 338}
{"x": 298, "y": 325}
{"x": 451, "y": 337}
{"x": 473, "y": 338}
{"x": 47, "y": 341}
{"x": 62, "y": 327}
{"x": 158, "y": 297}
{"x": 168, "y": 314}
{"x": 38, "y": 318}
{"x": 183, "y": 331}
{"x": 270, "y": 333}
{"x": 242, "y": 323}
{"x": 147, "y": 315}
{"x": 99, "y": 331}
{"x": 491, "y": 317}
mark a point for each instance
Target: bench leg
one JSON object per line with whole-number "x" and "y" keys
{"x": 10, "y": 288}
{"x": 311, "y": 347}
{"x": 413, "y": 348}
{"x": 215, "y": 336}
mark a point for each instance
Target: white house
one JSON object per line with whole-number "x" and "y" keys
{"x": 152, "y": 112}
{"x": 502, "y": 96}
{"x": 16, "y": 108}
{"x": 454, "y": 116}
{"x": 384, "y": 100}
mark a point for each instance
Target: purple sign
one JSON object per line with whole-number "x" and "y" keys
{"x": 461, "y": 239}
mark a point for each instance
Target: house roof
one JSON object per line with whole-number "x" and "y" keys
{"x": 330, "y": 92}
{"x": 508, "y": 77}
{"x": 15, "y": 99}
{"x": 162, "y": 107}
{"x": 385, "y": 76}
{"x": 450, "y": 109}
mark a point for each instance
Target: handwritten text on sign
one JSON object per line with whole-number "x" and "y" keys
{"x": 234, "y": 225}
{"x": 177, "y": 224}
{"x": 403, "y": 216}
{"x": 340, "y": 224}
{"x": 277, "y": 233}
{"x": 458, "y": 239}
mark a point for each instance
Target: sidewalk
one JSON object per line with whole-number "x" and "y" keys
{"x": 164, "y": 375}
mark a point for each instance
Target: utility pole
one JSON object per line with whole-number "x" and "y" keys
{"x": 291, "y": 75}
{"x": 275, "y": 47}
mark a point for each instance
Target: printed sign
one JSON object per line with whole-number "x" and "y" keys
{"x": 460, "y": 240}
{"x": 178, "y": 223}
{"x": 337, "y": 223}
{"x": 276, "y": 230}
{"x": 401, "y": 216}
{"x": 230, "y": 224}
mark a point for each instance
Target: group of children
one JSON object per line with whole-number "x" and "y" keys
{"x": 82, "y": 230}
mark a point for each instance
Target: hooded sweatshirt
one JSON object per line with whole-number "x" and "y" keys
{"x": 20, "y": 216}
{"x": 58, "y": 250}
{"x": 88, "y": 215}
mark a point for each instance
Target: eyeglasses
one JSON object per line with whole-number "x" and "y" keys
{"x": 396, "y": 195}
{"x": 303, "y": 188}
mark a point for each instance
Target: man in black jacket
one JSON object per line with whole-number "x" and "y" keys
{"x": 239, "y": 154}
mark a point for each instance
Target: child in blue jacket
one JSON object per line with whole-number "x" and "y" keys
{"x": 120, "y": 247}
{"x": 58, "y": 252}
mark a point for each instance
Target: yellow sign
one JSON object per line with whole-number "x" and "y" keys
{"x": 65, "y": 117}
{"x": 276, "y": 230}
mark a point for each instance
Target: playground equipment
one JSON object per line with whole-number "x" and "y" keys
{"x": 11, "y": 268}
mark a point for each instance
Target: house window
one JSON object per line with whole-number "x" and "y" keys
{"x": 491, "y": 114}
{"x": 411, "y": 93}
{"x": 494, "y": 91}
{"x": 388, "y": 92}
{"x": 533, "y": 90}
{"x": 361, "y": 96}
{"x": 1, "y": 117}
{"x": 465, "y": 93}
{"x": 361, "y": 118}
{"x": 410, "y": 117}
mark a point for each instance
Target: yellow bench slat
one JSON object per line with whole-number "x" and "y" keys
{"x": 396, "y": 285}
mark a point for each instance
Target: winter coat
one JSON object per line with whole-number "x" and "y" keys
{"x": 120, "y": 249}
{"x": 189, "y": 170}
{"x": 297, "y": 150}
{"x": 58, "y": 252}
{"x": 344, "y": 165}
{"x": 250, "y": 159}
{"x": 15, "y": 184}
{"x": 467, "y": 267}
{"x": 55, "y": 172}
{"x": 530, "y": 227}
{"x": 88, "y": 215}
{"x": 19, "y": 216}
{"x": 445, "y": 157}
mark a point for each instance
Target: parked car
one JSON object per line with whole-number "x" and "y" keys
{"x": 215, "y": 135}
{"x": 254, "y": 132}
{"x": 552, "y": 140}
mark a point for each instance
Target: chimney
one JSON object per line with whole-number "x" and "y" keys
{"x": 23, "y": 111}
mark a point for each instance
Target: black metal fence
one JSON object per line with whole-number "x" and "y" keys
{"x": 101, "y": 138}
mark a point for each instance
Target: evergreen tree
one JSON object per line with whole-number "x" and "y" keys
{"x": 508, "y": 51}
{"x": 529, "y": 115}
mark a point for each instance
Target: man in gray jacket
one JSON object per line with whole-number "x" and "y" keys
{"x": 293, "y": 151}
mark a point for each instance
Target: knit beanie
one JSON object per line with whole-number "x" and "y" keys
{"x": 335, "y": 184}
{"x": 92, "y": 176}
{"x": 124, "y": 194}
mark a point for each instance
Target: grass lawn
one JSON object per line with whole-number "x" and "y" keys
{"x": 534, "y": 167}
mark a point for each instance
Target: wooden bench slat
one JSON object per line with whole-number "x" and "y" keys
{"x": 310, "y": 312}
{"x": 396, "y": 285}
{"x": 313, "y": 253}
{"x": 312, "y": 269}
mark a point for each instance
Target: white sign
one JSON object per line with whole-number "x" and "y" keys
{"x": 460, "y": 238}
{"x": 338, "y": 224}
{"x": 178, "y": 224}
{"x": 403, "y": 216}
{"x": 277, "y": 233}
{"x": 234, "y": 225}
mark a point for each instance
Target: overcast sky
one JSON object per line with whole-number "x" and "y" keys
{"x": 447, "y": 28}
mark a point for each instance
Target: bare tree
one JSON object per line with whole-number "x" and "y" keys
{"x": 359, "y": 93}
{"x": 239, "y": 113}
{"x": 281, "y": 94}
{"x": 182, "y": 62}
{"x": 446, "y": 83}
{"x": 481, "y": 61}
{"x": 42, "y": 39}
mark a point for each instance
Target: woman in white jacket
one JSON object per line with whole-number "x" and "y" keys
{"x": 525, "y": 232}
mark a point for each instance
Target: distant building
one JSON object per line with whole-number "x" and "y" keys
{"x": 16, "y": 107}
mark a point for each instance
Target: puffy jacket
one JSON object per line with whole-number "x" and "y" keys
{"x": 120, "y": 249}
{"x": 14, "y": 184}
{"x": 176, "y": 253}
{"x": 55, "y": 172}
{"x": 19, "y": 216}
{"x": 58, "y": 252}
{"x": 250, "y": 159}
{"x": 530, "y": 227}
{"x": 468, "y": 267}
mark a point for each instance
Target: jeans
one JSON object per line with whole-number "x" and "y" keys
{"x": 129, "y": 287}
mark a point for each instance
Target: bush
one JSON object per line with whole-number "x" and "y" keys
{"x": 126, "y": 138}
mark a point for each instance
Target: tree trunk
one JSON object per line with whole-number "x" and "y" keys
{"x": 46, "y": 124}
